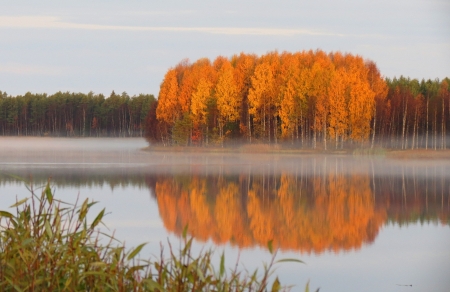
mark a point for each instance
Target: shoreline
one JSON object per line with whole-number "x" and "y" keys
{"x": 68, "y": 146}
{"x": 269, "y": 149}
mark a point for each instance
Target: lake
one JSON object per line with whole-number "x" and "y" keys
{"x": 359, "y": 223}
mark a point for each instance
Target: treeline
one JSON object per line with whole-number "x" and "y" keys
{"x": 74, "y": 114}
{"x": 309, "y": 99}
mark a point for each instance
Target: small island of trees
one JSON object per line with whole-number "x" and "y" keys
{"x": 309, "y": 99}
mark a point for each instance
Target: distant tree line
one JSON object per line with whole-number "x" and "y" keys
{"x": 69, "y": 114}
{"x": 308, "y": 99}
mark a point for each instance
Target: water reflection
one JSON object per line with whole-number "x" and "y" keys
{"x": 308, "y": 205}
{"x": 310, "y": 214}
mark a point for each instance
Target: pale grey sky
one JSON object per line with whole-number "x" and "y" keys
{"x": 129, "y": 45}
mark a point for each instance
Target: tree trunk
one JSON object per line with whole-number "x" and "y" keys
{"x": 442, "y": 126}
{"x": 426, "y": 130}
{"x": 374, "y": 124}
{"x": 325, "y": 133}
{"x": 404, "y": 126}
{"x": 249, "y": 129}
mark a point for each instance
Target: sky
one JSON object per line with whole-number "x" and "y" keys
{"x": 100, "y": 46}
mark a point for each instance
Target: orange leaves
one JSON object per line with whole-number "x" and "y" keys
{"x": 338, "y": 101}
{"x": 167, "y": 110}
{"x": 275, "y": 95}
{"x": 360, "y": 106}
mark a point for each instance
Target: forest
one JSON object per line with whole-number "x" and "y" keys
{"x": 74, "y": 114}
{"x": 308, "y": 99}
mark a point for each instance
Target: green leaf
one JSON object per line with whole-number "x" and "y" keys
{"x": 135, "y": 251}
{"x": 152, "y": 285}
{"x": 222, "y": 265}
{"x": 98, "y": 219}
{"x": 134, "y": 269}
{"x": 6, "y": 214}
{"x": 48, "y": 229}
{"x": 276, "y": 286}
{"x": 270, "y": 246}
{"x": 83, "y": 210}
{"x": 48, "y": 193}
{"x": 97, "y": 264}
{"x": 19, "y": 203}
{"x": 185, "y": 230}
{"x": 307, "y": 287}
{"x": 27, "y": 241}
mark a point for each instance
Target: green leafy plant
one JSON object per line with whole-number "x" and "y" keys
{"x": 49, "y": 245}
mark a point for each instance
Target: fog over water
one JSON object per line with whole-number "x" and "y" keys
{"x": 17, "y": 152}
{"x": 375, "y": 222}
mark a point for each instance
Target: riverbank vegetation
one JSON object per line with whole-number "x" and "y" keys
{"x": 307, "y": 99}
{"x": 49, "y": 245}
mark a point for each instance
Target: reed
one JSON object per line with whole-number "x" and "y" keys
{"x": 49, "y": 245}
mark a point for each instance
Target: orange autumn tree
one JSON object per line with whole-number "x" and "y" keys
{"x": 338, "y": 102}
{"x": 305, "y": 97}
{"x": 259, "y": 96}
{"x": 168, "y": 106}
{"x": 289, "y": 95}
{"x": 199, "y": 105}
{"x": 361, "y": 100}
{"x": 321, "y": 73}
{"x": 227, "y": 97}
{"x": 244, "y": 66}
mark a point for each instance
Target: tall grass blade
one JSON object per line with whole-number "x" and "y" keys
{"x": 48, "y": 193}
{"x": 135, "y": 251}
{"x": 19, "y": 203}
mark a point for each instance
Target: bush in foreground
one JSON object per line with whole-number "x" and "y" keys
{"x": 49, "y": 245}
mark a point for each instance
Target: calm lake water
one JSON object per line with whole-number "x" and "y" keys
{"x": 359, "y": 224}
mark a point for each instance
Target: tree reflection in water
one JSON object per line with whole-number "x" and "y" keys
{"x": 308, "y": 205}
{"x": 326, "y": 211}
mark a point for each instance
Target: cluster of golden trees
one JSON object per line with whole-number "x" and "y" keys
{"x": 304, "y": 96}
{"x": 307, "y": 98}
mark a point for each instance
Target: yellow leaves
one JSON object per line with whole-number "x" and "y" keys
{"x": 288, "y": 109}
{"x": 199, "y": 101}
{"x": 262, "y": 85}
{"x": 226, "y": 93}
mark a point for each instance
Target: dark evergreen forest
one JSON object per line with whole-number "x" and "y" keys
{"x": 66, "y": 114}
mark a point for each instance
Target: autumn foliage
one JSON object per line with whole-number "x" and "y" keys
{"x": 309, "y": 99}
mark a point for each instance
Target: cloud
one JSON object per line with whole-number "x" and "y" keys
{"x": 20, "y": 69}
{"x": 51, "y": 22}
